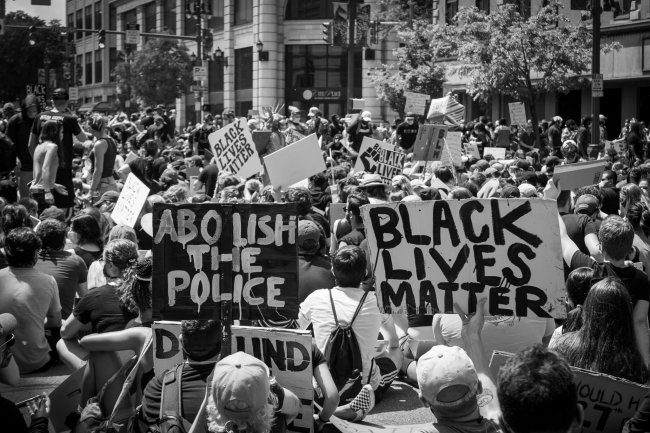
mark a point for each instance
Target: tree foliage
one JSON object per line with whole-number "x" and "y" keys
{"x": 158, "y": 74}
{"x": 20, "y": 61}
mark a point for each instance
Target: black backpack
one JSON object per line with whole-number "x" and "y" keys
{"x": 344, "y": 357}
{"x": 7, "y": 153}
{"x": 171, "y": 419}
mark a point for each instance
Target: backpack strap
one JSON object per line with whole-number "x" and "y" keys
{"x": 170, "y": 399}
{"x": 361, "y": 302}
{"x": 336, "y": 319}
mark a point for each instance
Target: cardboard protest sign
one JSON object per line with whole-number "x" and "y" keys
{"x": 429, "y": 143}
{"x": 608, "y": 401}
{"x": 291, "y": 136}
{"x": 132, "y": 198}
{"x": 196, "y": 244}
{"x": 234, "y": 149}
{"x": 497, "y": 152}
{"x": 167, "y": 350}
{"x": 446, "y": 109}
{"x": 619, "y": 145}
{"x": 471, "y": 149}
{"x": 65, "y": 400}
{"x": 294, "y": 163}
{"x": 517, "y": 113}
{"x": 426, "y": 256}
{"x": 415, "y": 102}
{"x": 579, "y": 174}
{"x": 192, "y": 177}
{"x": 288, "y": 355}
{"x": 454, "y": 147}
{"x": 379, "y": 157}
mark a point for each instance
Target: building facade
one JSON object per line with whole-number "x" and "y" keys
{"x": 301, "y": 70}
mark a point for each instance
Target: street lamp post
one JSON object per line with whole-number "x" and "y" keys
{"x": 202, "y": 11}
{"x": 46, "y": 64}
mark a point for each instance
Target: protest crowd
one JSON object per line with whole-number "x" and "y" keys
{"x": 76, "y": 285}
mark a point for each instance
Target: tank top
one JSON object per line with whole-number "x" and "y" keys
{"x": 109, "y": 158}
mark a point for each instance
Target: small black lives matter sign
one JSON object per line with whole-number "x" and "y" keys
{"x": 234, "y": 149}
{"x": 380, "y": 158}
{"x": 432, "y": 254}
{"x": 190, "y": 254}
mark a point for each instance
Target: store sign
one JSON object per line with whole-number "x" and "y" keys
{"x": 333, "y": 95}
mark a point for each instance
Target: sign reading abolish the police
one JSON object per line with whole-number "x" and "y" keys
{"x": 429, "y": 255}
{"x": 379, "y": 157}
{"x": 195, "y": 244}
{"x": 234, "y": 149}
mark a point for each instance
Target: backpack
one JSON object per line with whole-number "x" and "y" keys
{"x": 344, "y": 357}
{"x": 170, "y": 419}
{"x": 7, "y": 153}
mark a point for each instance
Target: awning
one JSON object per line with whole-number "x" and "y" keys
{"x": 103, "y": 107}
{"x": 86, "y": 107}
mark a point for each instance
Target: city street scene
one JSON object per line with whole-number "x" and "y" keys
{"x": 304, "y": 216}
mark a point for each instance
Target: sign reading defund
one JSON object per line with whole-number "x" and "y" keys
{"x": 427, "y": 256}
{"x": 201, "y": 249}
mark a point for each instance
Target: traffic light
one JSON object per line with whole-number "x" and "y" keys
{"x": 206, "y": 107}
{"x": 328, "y": 32}
{"x": 73, "y": 48}
{"x": 32, "y": 35}
{"x": 102, "y": 39}
{"x": 374, "y": 33}
{"x": 208, "y": 41}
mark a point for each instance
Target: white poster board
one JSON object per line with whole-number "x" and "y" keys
{"x": 447, "y": 108}
{"x": 415, "y": 102}
{"x": 454, "y": 147}
{"x": 192, "y": 177}
{"x": 167, "y": 349}
{"x": 380, "y": 158}
{"x": 429, "y": 143}
{"x": 64, "y": 401}
{"x": 132, "y": 198}
{"x": 296, "y": 162}
{"x": 580, "y": 174}
{"x": 471, "y": 149}
{"x": 517, "y": 113}
{"x": 430, "y": 255}
{"x": 497, "y": 152}
{"x": 234, "y": 149}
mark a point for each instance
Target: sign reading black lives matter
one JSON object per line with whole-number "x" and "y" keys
{"x": 194, "y": 243}
{"x": 234, "y": 149}
{"x": 380, "y": 158}
{"x": 429, "y": 255}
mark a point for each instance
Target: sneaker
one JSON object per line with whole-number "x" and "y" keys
{"x": 363, "y": 402}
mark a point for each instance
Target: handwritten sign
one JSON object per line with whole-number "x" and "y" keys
{"x": 429, "y": 143}
{"x": 415, "y": 102}
{"x": 430, "y": 255}
{"x": 381, "y": 158}
{"x": 579, "y": 174}
{"x": 447, "y": 108}
{"x": 496, "y": 152}
{"x": 192, "y": 177}
{"x": 517, "y": 113}
{"x": 619, "y": 145}
{"x": 167, "y": 349}
{"x": 288, "y": 355}
{"x": 132, "y": 198}
{"x": 234, "y": 149}
{"x": 471, "y": 149}
{"x": 454, "y": 147}
{"x": 294, "y": 163}
{"x": 195, "y": 244}
{"x": 608, "y": 401}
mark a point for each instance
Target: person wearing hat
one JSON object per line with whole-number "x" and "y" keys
{"x": 314, "y": 122}
{"x": 107, "y": 201}
{"x": 510, "y": 191}
{"x": 169, "y": 124}
{"x": 589, "y": 205}
{"x": 18, "y": 130}
{"x": 314, "y": 269}
{"x": 571, "y": 152}
{"x": 8, "y": 112}
{"x": 294, "y": 121}
{"x": 70, "y": 128}
{"x": 362, "y": 127}
{"x": 407, "y": 132}
{"x": 375, "y": 188}
{"x": 527, "y": 190}
{"x": 554, "y": 133}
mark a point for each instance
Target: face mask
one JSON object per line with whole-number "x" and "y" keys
{"x": 410, "y": 122}
{"x": 74, "y": 237}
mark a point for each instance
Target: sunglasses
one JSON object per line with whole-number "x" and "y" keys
{"x": 10, "y": 341}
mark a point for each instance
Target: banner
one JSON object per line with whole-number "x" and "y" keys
{"x": 197, "y": 245}
{"x": 446, "y": 109}
{"x": 129, "y": 204}
{"x": 429, "y": 143}
{"x": 415, "y": 102}
{"x": 497, "y": 152}
{"x": 579, "y": 174}
{"x": 379, "y": 157}
{"x": 234, "y": 149}
{"x": 517, "y": 114}
{"x": 608, "y": 401}
{"x": 288, "y": 355}
{"x": 426, "y": 256}
{"x": 167, "y": 350}
{"x": 294, "y": 163}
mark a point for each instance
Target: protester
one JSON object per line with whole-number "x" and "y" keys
{"x": 314, "y": 269}
{"x": 18, "y": 130}
{"x": 147, "y": 168}
{"x": 578, "y": 285}
{"x": 407, "y": 132}
{"x": 102, "y": 157}
{"x": 86, "y": 236}
{"x": 362, "y": 127}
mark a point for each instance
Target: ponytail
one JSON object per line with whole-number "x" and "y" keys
{"x": 573, "y": 320}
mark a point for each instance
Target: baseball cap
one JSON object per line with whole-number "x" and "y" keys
{"x": 527, "y": 190}
{"x": 9, "y": 105}
{"x": 601, "y": 117}
{"x": 197, "y": 159}
{"x": 586, "y": 204}
{"x": 108, "y": 196}
{"x": 410, "y": 114}
{"x": 160, "y": 107}
{"x": 242, "y": 378}
{"x": 490, "y": 171}
{"x": 510, "y": 191}
{"x": 482, "y": 164}
{"x": 498, "y": 167}
{"x": 443, "y": 367}
{"x": 7, "y": 324}
{"x": 552, "y": 161}
{"x": 557, "y": 119}
{"x": 60, "y": 94}
{"x": 229, "y": 112}
{"x": 366, "y": 116}
{"x": 307, "y": 230}
{"x": 313, "y": 111}
{"x": 53, "y": 212}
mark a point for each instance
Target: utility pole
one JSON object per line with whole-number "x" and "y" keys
{"x": 352, "y": 16}
{"x": 595, "y": 69}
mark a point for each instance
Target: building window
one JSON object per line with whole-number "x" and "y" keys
{"x": 524, "y": 8}
{"x": 451, "y": 9}
{"x": 243, "y": 12}
{"x": 112, "y": 63}
{"x": 149, "y": 17}
{"x": 215, "y": 72}
{"x": 216, "y": 22}
{"x": 112, "y": 18}
{"x": 78, "y": 77}
{"x": 89, "y": 19}
{"x": 309, "y": 9}
{"x": 80, "y": 23}
{"x": 320, "y": 66}
{"x": 89, "y": 68}
{"x": 483, "y": 5}
{"x": 170, "y": 15}
{"x": 98, "y": 16}
{"x": 244, "y": 68}
{"x": 98, "y": 66}
{"x": 70, "y": 24}
{"x": 130, "y": 17}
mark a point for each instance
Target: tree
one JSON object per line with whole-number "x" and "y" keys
{"x": 158, "y": 74}
{"x": 505, "y": 53}
{"x": 20, "y": 61}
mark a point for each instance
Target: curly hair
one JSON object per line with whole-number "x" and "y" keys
{"x": 135, "y": 290}
{"x": 13, "y": 217}
{"x": 52, "y": 233}
{"x": 21, "y": 245}
{"x": 88, "y": 230}
{"x": 302, "y": 197}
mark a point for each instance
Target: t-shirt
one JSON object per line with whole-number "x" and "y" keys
{"x": 209, "y": 176}
{"x": 70, "y": 128}
{"x": 644, "y": 252}
{"x": 68, "y": 270}
{"x": 481, "y": 425}
{"x": 317, "y": 309}
{"x": 139, "y": 169}
{"x": 409, "y": 133}
{"x": 321, "y": 220}
{"x": 101, "y": 307}
{"x": 146, "y": 121}
{"x": 504, "y": 333}
{"x": 355, "y": 237}
{"x": 611, "y": 202}
{"x": 30, "y": 296}
{"x": 577, "y": 227}
{"x": 87, "y": 256}
{"x": 635, "y": 281}
{"x": 314, "y": 272}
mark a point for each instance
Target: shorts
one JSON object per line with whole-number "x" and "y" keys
{"x": 39, "y": 196}
{"x": 64, "y": 178}
{"x": 405, "y": 347}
